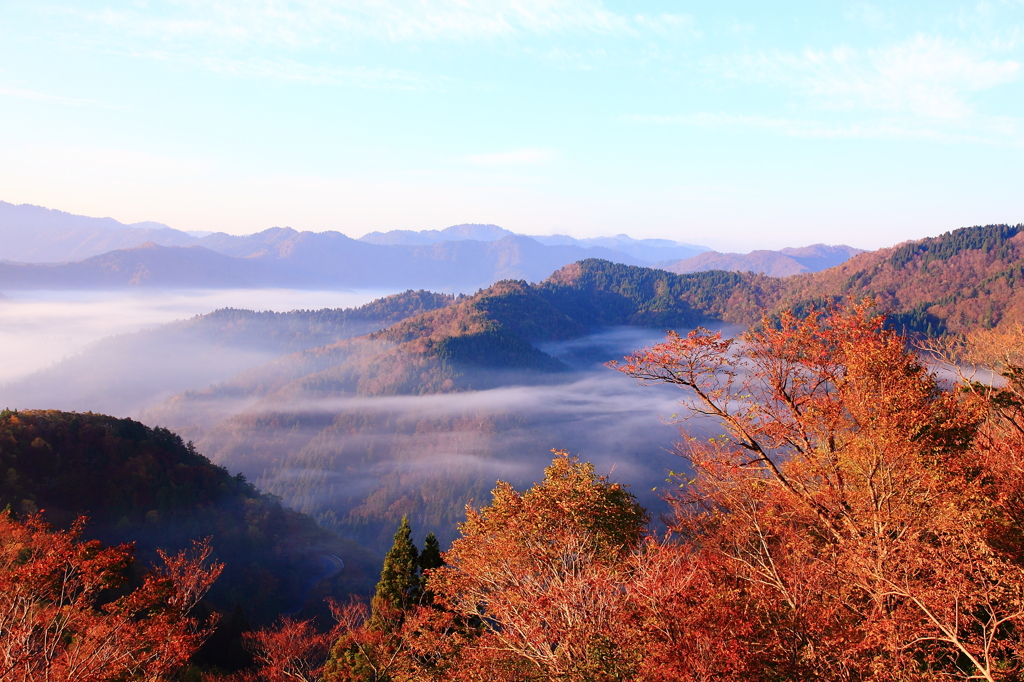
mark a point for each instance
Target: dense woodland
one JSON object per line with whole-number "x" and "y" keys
{"x": 850, "y": 515}
{"x": 142, "y": 485}
{"x": 856, "y": 519}
{"x": 956, "y": 282}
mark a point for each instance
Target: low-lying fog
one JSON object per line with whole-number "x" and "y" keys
{"x": 39, "y": 328}
{"x": 354, "y": 463}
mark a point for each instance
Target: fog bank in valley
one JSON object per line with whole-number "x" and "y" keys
{"x": 357, "y": 463}
{"x": 60, "y": 353}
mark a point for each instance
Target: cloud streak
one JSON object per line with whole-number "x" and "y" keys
{"x": 926, "y": 76}
{"x": 923, "y": 88}
{"x": 996, "y": 131}
{"x": 319, "y": 23}
{"x": 290, "y": 70}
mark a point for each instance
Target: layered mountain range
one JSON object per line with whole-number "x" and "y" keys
{"x": 46, "y": 249}
{"x": 781, "y": 263}
{"x": 413, "y": 403}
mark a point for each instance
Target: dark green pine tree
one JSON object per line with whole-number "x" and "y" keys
{"x": 399, "y": 586}
{"x": 430, "y": 557}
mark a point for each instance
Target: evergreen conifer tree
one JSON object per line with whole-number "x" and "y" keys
{"x": 399, "y": 586}
{"x": 430, "y": 558}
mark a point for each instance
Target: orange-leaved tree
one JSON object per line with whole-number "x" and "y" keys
{"x": 60, "y": 618}
{"x": 846, "y": 496}
{"x": 294, "y": 650}
{"x": 541, "y": 577}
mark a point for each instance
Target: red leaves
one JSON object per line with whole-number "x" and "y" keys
{"x": 845, "y": 504}
{"x": 56, "y": 621}
{"x": 294, "y": 650}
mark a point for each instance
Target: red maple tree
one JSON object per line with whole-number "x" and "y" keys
{"x": 64, "y": 614}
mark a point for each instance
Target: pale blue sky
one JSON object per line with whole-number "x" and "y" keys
{"x": 737, "y": 125}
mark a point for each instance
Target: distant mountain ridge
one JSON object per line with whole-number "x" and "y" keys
{"x": 42, "y": 248}
{"x": 780, "y": 263}
{"x": 35, "y": 234}
{"x": 474, "y": 231}
{"x": 282, "y": 257}
{"x": 645, "y": 251}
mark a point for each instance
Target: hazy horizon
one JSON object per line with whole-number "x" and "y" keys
{"x": 740, "y": 126}
{"x": 41, "y": 327}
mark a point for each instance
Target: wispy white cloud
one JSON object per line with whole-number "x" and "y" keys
{"x": 922, "y": 88}
{"x": 516, "y": 157}
{"x": 290, "y": 70}
{"x": 998, "y": 130}
{"x": 926, "y": 76}
{"x": 668, "y": 25}
{"x": 306, "y": 40}
{"x": 313, "y": 23}
{"x": 870, "y": 15}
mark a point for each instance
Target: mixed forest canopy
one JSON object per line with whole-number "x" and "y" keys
{"x": 145, "y": 486}
{"x": 505, "y": 335}
{"x": 852, "y": 517}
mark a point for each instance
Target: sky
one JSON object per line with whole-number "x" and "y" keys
{"x": 737, "y": 125}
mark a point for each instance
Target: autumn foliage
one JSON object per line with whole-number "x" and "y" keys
{"x": 844, "y": 516}
{"x": 850, "y": 502}
{"x": 65, "y": 612}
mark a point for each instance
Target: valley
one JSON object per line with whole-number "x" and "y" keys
{"x": 415, "y": 403}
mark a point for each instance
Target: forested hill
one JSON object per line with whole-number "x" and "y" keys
{"x": 143, "y": 485}
{"x": 968, "y": 278}
{"x": 362, "y": 431}
{"x": 126, "y": 373}
{"x": 299, "y": 329}
{"x": 962, "y": 279}
{"x": 598, "y": 293}
{"x": 489, "y": 338}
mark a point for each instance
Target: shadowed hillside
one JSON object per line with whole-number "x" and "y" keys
{"x": 126, "y": 373}
{"x": 146, "y": 486}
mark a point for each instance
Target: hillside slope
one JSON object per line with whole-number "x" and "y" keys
{"x": 146, "y": 486}
{"x": 126, "y": 373}
{"x": 967, "y": 278}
